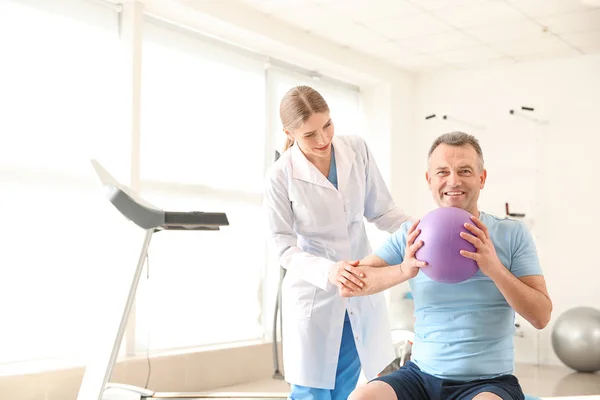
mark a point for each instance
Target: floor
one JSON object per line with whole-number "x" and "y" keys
{"x": 554, "y": 381}
{"x": 541, "y": 381}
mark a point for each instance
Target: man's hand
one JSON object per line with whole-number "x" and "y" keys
{"x": 410, "y": 266}
{"x": 346, "y": 276}
{"x": 485, "y": 256}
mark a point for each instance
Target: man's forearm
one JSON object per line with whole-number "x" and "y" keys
{"x": 377, "y": 279}
{"x": 528, "y": 302}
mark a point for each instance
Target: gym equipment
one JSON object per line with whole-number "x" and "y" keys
{"x": 278, "y": 314}
{"x": 576, "y": 339}
{"x": 512, "y": 214}
{"x": 527, "y": 114}
{"x": 95, "y": 385}
{"x": 440, "y": 233}
{"x": 457, "y": 120}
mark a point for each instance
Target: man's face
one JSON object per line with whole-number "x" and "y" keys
{"x": 455, "y": 177}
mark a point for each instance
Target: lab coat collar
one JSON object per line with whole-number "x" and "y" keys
{"x": 306, "y": 171}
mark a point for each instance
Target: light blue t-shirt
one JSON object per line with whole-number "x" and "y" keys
{"x": 333, "y": 170}
{"x": 464, "y": 331}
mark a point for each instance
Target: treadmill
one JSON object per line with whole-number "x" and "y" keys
{"x": 95, "y": 384}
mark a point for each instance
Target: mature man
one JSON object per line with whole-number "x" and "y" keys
{"x": 463, "y": 347}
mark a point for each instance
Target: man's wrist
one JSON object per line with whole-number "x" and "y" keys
{"x": 398, "y": 274}
{"x": 498, "y": 272}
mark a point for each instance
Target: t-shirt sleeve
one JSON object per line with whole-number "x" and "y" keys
{"x": 525, "y": 260}
{"x": 392, "y": 250}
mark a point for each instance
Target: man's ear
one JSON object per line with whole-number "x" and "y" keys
{"x": 482, "y": 179}
{"x": 428, "y": 178}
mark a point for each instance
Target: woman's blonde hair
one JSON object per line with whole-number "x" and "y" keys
{"x": 297, "y": 105}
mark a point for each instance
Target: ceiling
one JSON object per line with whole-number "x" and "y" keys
{"x": 421, "y": 35}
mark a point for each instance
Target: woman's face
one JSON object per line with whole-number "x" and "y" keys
{"x": 314, "y": 137}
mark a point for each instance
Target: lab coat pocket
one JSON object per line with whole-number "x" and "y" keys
{"x": 306, "y": 302}
{"x": 300, "y": 301}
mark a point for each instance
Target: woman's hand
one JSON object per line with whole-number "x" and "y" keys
{"x": 346, "y": 276}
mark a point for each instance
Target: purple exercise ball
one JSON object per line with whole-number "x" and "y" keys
{"x": 440, "y": 233}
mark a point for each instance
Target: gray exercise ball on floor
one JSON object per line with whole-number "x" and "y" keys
{"x": 576, "y": 339}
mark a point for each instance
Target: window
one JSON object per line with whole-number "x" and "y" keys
{"x": 203, "y": 146}
{"x": 202, "y": 113}
{"x": 206, "y": 139}
{"x": 60, "y": 82}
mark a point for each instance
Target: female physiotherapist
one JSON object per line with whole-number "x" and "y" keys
{"x": 316, "y": 196}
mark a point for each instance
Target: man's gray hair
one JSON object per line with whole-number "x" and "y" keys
{"x": 458, "y": 139}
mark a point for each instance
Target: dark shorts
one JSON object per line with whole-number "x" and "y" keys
{"x": 410, "y": 383}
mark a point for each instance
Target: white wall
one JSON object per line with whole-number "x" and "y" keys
{"x": 545, "y": 170}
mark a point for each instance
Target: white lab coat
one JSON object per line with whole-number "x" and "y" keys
{"x": 311, "y": 226}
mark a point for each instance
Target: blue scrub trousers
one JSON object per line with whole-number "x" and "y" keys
{"x": 347, "y": 374}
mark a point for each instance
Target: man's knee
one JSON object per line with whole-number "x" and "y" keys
{"x": 359, "y": 393}
{"x": 373, "y": 390}
{"x": 487, "y": 396}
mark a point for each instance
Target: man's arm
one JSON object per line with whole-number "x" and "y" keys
{"x": 379, "y": 275}
{"x": 527, "y": 295}
{"x": 524, "y": 288}
{"x": 373, "y": 260}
